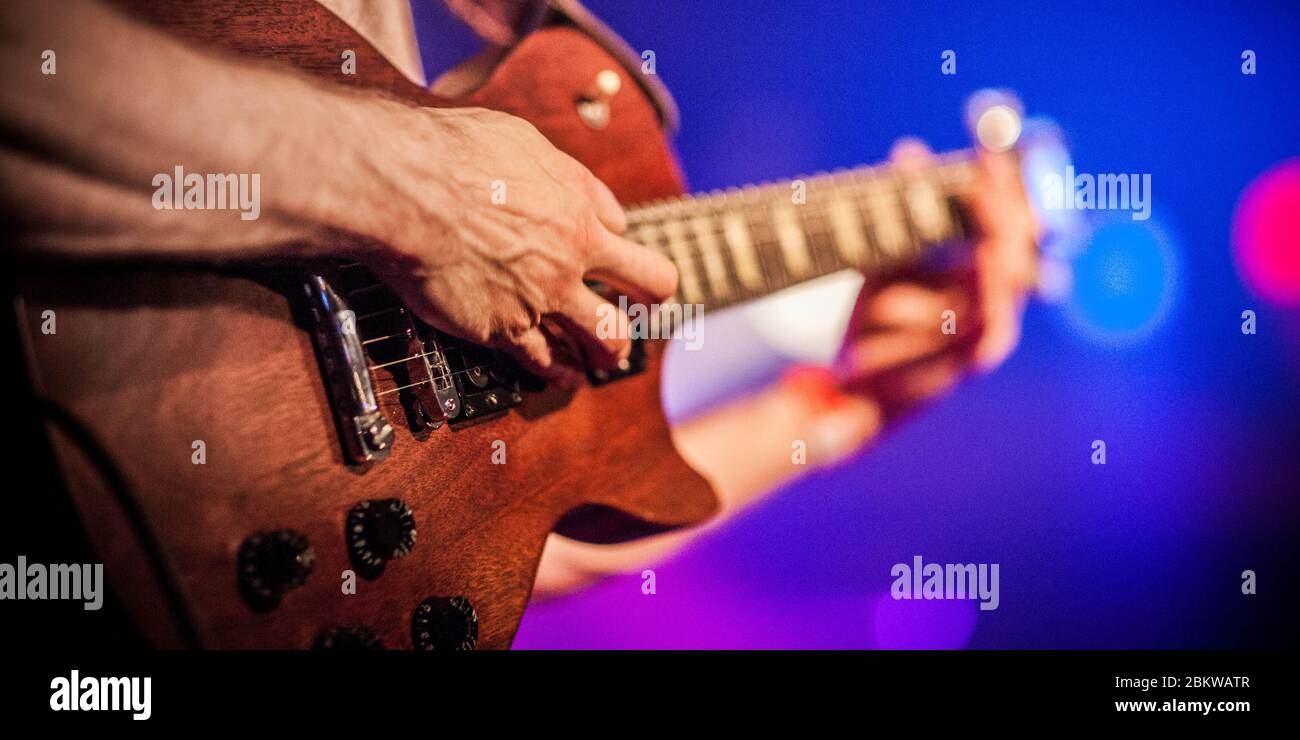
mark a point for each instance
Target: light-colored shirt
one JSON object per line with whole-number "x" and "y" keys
{"x": 451, "y": 30}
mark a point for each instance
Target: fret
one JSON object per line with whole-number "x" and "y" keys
{"x": 849, "y": 231}
{"x": 957, "y": 217}
{"x": 886, "y": 217}
{"x": 954, "y": 179}
{"x": 791, "y": 238}
{"x": 739, "y": 244}
{"x": 816, "y": 234}
{"x": 926, "y": 210}
{"x": 715, "y": 268}
{"x": 913, "y": 243}
{"x": 859, "y": 210}
{"x": 736, "y": 233}
{"x": 688, "y": 283}
{"x": 763, "y": 237}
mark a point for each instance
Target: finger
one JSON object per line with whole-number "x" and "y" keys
{"x": 906, "y": 388}
{"x": 910, "y": 155}
{"x": 608, "y": 209}
{"x": 904, "y": 304}
{"x": 566, "y": 370}
{"x": 533, "y": 352}
{"x": 1003, "y": 215}
{"x": 882, "y": 351}
{"x": 902, "y": 389}
{"x": 635, "y": 270}
{"x": 1001, "y": 304}
{"x": 536, "y": 352}
{"x": 598, "y": 325}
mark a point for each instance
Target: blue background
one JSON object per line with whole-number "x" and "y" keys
{"x": 1200, "y": 421}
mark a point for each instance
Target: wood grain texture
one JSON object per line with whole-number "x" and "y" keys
{"x": 148, "y": 360}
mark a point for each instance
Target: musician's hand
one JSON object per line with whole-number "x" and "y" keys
{"x": 895, "y": 356}
{"x": 896, "y": 353}
{"x": 489, "y": 229}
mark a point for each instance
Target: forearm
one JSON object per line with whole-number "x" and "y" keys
{"x": 83, "y": 147}
{"x": 745, "y": 450}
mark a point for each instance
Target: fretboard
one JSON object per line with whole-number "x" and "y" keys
{"x": 739, "y": 244}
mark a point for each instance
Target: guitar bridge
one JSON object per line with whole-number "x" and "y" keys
{"x": 469, "y": 381}
{"x": 367, "y": 435}
{"x": 371, "y": 346}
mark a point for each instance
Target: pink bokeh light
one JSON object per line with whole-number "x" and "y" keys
{"x": 1266, "y": 234}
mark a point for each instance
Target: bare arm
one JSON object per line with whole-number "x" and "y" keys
{"x": 406, "y": 190}
{"x": 83, "y": 146}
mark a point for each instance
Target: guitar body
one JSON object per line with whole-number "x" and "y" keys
{"x": 147, "y": 361}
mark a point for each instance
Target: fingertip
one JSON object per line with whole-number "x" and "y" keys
{"x": 644, "y": 272}
{"x": 910, "y": 154}
{"x": 995, "y": 347}
{"x": 533, "y": 352}
{"x": 909, "y": 146}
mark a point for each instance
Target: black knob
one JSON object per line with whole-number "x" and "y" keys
{"x": 272, "y": 564}
{"x": 379, "y": 530}
{"x": 444, "y": 624}
{"x": 357, "y": 637}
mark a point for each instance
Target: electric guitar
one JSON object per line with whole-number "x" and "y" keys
{"x": 338, "y": 433}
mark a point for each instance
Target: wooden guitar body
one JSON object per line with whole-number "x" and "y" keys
{"x": 147, "y": 361}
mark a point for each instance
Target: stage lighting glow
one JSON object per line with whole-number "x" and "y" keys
{"x": 1043, "y": 153}
{"x": 1266, "y": 234}
{"x": 1124, "y": 282}
{"x": 923, "y": 625}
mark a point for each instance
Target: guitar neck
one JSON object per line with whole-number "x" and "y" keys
{"x": 740, "y": 244}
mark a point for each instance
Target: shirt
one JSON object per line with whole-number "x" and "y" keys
{"x": 426, "y": 38}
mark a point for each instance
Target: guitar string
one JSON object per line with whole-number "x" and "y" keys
{"x": 824, "y": 245}
{"x": 865, "y": 194}
{"x": 867, "y": 208}
{"x": 697, "y": 258}
{"x": 953, "y": 166}
{"x": 710, "y": 205}
{"x": 942, "y": 167}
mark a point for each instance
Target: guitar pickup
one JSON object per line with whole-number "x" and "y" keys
{"x": 470, "y": 381}
{"x": 366, "y": 434}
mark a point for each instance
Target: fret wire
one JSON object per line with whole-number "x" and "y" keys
{"x": 944, "y": 164}
{"x": 818, "y": 210}
{"x": 821, "y": 241}
{"x": 766, "y": 242}
{"x": 905, "y": 212}
{"x": 867, "y": 192}
{"x": 867, "y": 224}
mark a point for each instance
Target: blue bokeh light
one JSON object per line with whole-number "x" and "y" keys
{"x": 1124, "y": 282}
{"x": 1199, "y": 422}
